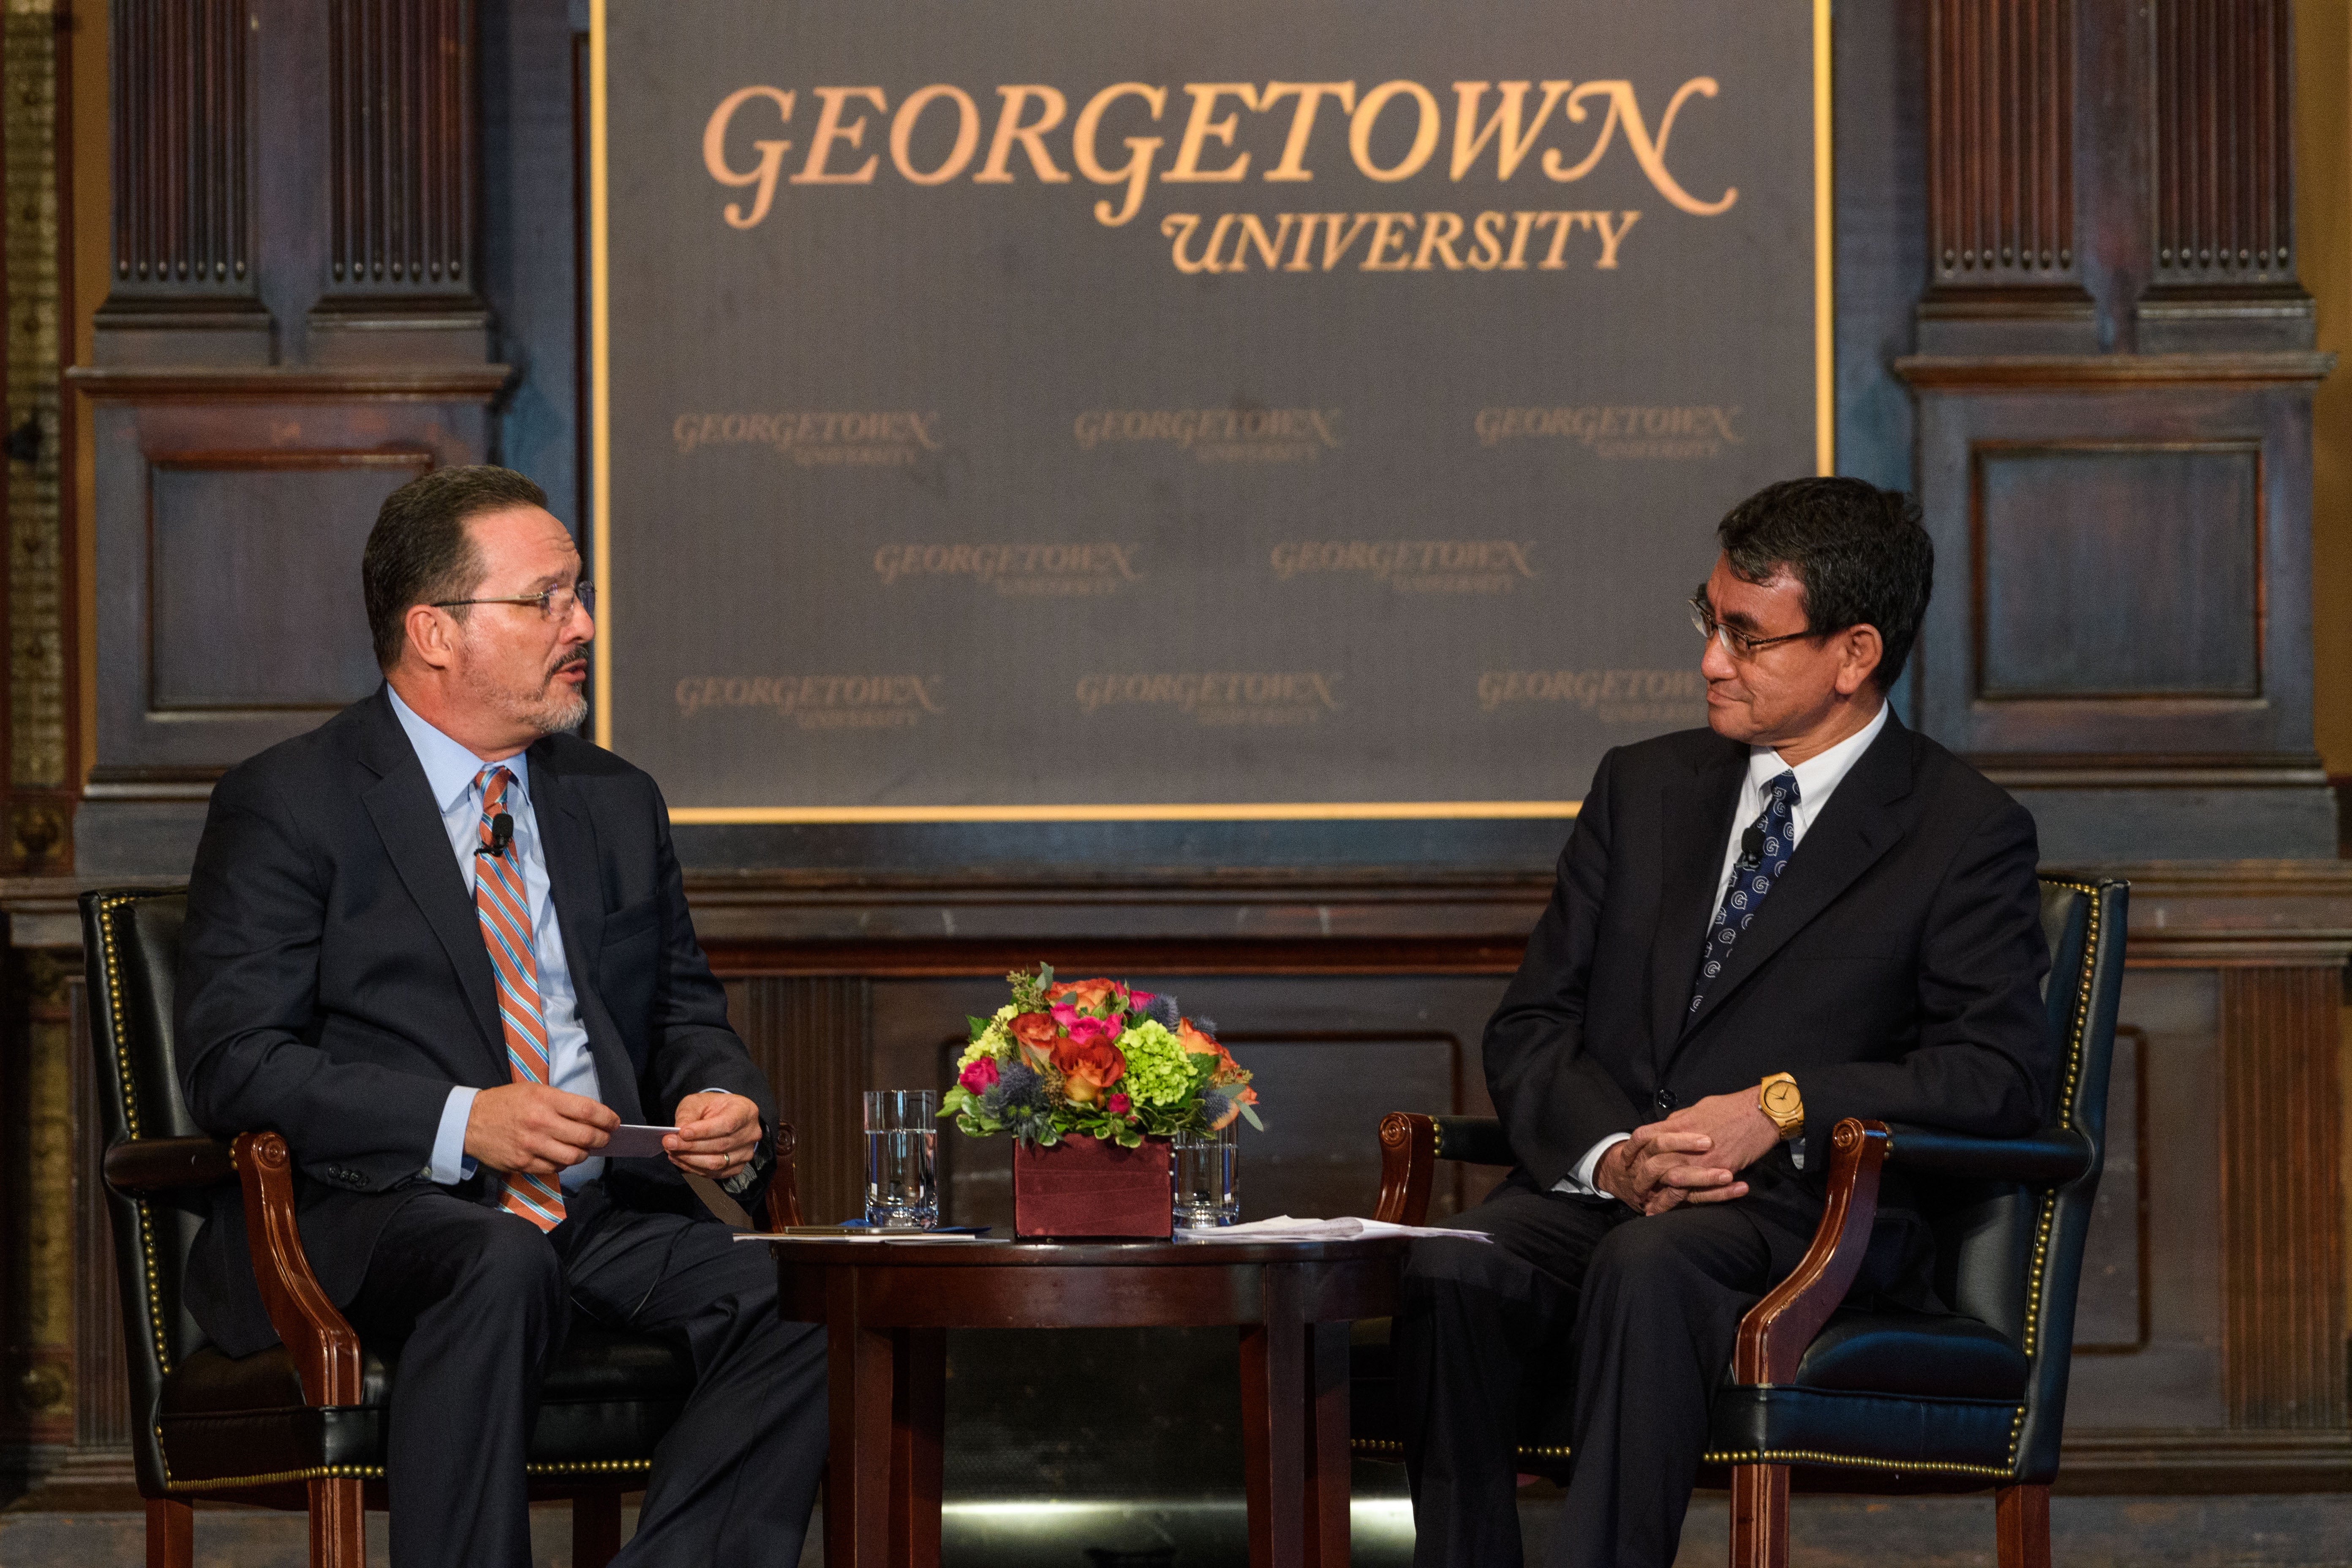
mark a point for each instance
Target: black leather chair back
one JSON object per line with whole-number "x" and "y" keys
{"x": 130, "y": 944}
{"x": 2010, "y": 1255}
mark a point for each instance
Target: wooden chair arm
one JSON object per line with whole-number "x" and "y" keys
{"x": 784, "y": 1185}
{"x": 1776, "y": 1331}
{"x": 326, "y": 1350}
{"x": 1408, "y": 1160}
{"x": 168, "y": 1164}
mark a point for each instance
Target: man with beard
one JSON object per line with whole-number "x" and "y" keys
{"x": 441, "y": 946}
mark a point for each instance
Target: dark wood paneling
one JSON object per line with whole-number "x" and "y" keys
{"x": 2220, "y": 198}
{"x": 809, "y": 1038}
{"x": 2281, "y": 1246}
{"x": 2058, "y": 528}
{"x": 2224, "y": 189}
{"x": 2001, "y": 179}
{"x": 400, "y": 87}
{"x": 249, "y": 563}
{"x": 2111, "y": 1312}
{"x": 182, "y": 218}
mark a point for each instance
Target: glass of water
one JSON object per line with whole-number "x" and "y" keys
{"x": 1200, "y": 1166}
{"x": 902, "y": 1145}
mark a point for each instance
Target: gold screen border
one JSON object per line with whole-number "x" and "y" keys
{"x": 599, "y": 480}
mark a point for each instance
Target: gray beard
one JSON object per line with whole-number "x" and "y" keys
{"x": 545, "y": 711}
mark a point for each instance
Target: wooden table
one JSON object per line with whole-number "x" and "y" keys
{"x": 886, "y": 1307}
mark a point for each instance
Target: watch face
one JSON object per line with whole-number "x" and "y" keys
{"x": 1781, "y": 1099}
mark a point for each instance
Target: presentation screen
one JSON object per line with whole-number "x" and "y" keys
{"x": 1115, "y": 409}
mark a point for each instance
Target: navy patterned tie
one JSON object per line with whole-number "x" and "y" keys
{"x": 1765, "y": 851}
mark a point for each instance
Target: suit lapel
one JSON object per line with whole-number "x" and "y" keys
{"x": 1694, "y": 817}
{"x": 401, "y": 803}
{"x": 567, "y": 835}
{"x": 1857, "y": 827}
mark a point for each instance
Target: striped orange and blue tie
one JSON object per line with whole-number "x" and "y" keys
{"x": 505, "y": 911}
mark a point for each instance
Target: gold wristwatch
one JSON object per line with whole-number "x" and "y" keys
{"x": 1778, "y": 1099}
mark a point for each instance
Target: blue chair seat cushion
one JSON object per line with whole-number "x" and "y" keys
{"x": 1922, "y": 1354}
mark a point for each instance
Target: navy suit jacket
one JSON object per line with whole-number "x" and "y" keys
{"x": 1895, "y": 969}
{"x": 333, "y": 985}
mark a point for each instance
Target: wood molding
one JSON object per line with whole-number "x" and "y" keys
{"x": 455, "y": 383}
{"x": 2100, "y": 373}
{"x": 2189, "y": 1460}
{"x": 2281, "y": 1248}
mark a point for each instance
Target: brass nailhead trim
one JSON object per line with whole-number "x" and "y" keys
{"x": 553, "y": 1471}
{"x": 1813, "y": 1456}
{"x": 131, "y": 1112}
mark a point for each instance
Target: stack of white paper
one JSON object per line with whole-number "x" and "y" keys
{"x": 1282, "y": 1227}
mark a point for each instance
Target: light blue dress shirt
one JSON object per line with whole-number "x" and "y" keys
{"x": 453, "y": 774}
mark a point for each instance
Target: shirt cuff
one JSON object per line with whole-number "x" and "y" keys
{"x": 451, "y": 1164}
{"x": 1578, "y": 1181}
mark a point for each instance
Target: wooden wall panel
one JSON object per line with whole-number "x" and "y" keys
{"x": 182, "y": 218}
{"x": 2058, "y": 528}
{"x": 262, "y": 542}
{"x": 809, "y": 1036}
{"x": 400, "y": 84}
{"x": 2281, "y": 1248}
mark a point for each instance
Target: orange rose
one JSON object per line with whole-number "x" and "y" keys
{"x": 1037, "y": 1029}
{"x": 1200, "y": 1044}
{"x": 1087, "y": 1069}
{"x": 1083, "y": 992}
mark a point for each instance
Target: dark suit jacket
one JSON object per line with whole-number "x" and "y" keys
{"x": 1894, "y": 969}
{"x": 333, "y": 985}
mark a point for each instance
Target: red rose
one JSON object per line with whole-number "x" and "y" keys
{"x": 1119, "y": 1104}
{"x": 978, "y": 1075}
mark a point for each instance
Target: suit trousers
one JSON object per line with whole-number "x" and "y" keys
{"x": 1630, "y": 1320}
{"x": 476, "y": 1302}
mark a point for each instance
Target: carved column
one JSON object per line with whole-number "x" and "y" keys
{"x": 184, "y": 288}
{"x": 2281, "y": 1248}
{"x": 2221, "y": 180}
{"x": 402, "y": 184}
{"x": 2000, "y": 181}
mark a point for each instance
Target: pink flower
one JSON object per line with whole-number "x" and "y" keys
{"x": 1064, "y": 1014}
{"x": 1138, "y": 1000}
{"x": 1118, "y": 1104}
{"x": 978, "y": 1075}
{"x": 1087, "y": 1031}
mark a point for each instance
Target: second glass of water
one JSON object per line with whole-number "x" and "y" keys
{"x": 1207, "y": 1193}
{"x": 902, "y": 1143}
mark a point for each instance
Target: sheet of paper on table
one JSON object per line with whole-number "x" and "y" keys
{"x": 1282, "y": 1227}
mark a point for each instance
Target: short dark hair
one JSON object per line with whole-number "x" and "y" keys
{"x": 419, "y": 551}
{"x": 1858, "y": 552}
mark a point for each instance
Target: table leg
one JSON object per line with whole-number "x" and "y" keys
{"x": 917, "y": 1412}
{"x": 1273, "y": 1424}
{"x": 858, "y": 1372}
{"x": 1327, "y": 1446}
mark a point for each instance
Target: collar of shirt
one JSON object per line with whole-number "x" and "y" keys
{"x": 1817, "y": 777}
{"x": 450, "y": 768}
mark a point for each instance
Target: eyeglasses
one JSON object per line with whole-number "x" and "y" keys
{"x": 1738, "y": 644}
{"x": 555, "y": 604}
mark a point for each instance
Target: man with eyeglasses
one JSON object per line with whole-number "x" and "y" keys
{"x": 441, "y": 944}
{"x": 1803, "y": 912}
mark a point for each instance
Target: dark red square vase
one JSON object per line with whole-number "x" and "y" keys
{"x": 1084, "y": 1187}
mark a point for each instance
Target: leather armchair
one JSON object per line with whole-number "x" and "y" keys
{"x": 1841, "y": 1399}
{"x": 301, "y": 1425}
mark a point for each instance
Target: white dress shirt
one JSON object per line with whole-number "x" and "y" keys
{"x": 453, "y": 774}
{"x": 1817, "y": 779}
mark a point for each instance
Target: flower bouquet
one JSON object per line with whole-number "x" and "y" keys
{"x": 1091, "y": 1078}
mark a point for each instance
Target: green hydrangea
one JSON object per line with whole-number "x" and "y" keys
{"x": 992, "y": 1042}
{"x": 1159, "y": 1067}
